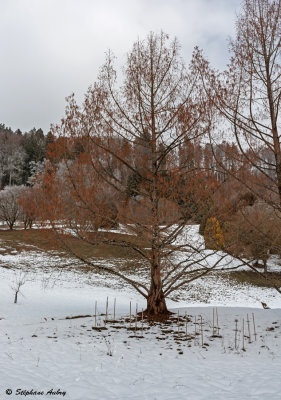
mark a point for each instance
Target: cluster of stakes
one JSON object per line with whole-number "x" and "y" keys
{"x": 188, "y": 328}
{"x": 244, "y": 333}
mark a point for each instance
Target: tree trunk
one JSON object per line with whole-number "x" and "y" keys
{"x": 156, "y": 303}
{"x": 265, "y": 267}
{"x": 273, "y": 118}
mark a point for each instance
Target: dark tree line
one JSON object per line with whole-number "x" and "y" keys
{"x": 20, "y": 153}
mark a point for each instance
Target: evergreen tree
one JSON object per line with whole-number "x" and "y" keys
{"x": 35, "y": 148}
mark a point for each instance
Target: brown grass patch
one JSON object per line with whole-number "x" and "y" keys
{"x": 47, "y": 240}
{"x": 253, "y": 278}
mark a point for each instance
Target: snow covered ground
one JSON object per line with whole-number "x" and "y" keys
{"x": 41, "y": 350}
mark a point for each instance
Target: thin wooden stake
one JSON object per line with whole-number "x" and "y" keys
{"x": 195, "y": 332}
{"x": 186, "y": 318}
{"x": 136, "y": 319}
{"x": 255, "y": 333}
{"x": 218, "y": 328}
{"x": 178, "y": 322}
{"x": 249, "y": 332}
{"x": 202, "y": 334}
{"x": 142, "y": 322}
{"x": 236, "y": 330}
{"x": 106, "y": 310}
{"x": 243, "y": 339}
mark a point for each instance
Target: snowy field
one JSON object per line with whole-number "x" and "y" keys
{"x": 44, "y": 351}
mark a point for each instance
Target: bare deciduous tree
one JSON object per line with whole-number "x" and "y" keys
{"x": 247, "y": 96}
{"x": 9, "y": 204}
{"x": 123, "y": 144}
{"x": 19, "y": 280}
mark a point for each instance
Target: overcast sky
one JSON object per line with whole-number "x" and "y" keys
{"x": 51, "y": 48}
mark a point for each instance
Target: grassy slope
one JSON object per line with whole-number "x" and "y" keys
{"x": 45, "y": 240}
{"x": 253, "y": 278}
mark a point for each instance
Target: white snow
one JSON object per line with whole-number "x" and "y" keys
{"x": 41, "y": 350}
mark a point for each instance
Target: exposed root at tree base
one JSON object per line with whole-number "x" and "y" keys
{"x": 156, "y": 317}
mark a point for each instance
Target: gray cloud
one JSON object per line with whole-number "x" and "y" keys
{"x": 51, "y": 48}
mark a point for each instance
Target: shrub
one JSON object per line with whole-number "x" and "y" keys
{"x": 213, "y": 234}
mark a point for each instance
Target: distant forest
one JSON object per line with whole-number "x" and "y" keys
{"x": 21, "y": 153}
